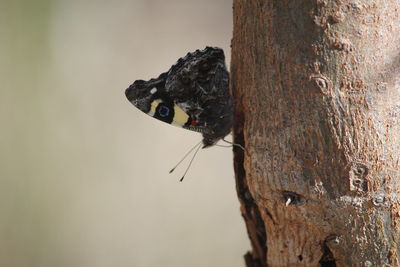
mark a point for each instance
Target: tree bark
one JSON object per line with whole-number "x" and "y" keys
{"x": 316, "y": 85}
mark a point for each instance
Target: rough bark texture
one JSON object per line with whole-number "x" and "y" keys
{"x": 316, "y": 85}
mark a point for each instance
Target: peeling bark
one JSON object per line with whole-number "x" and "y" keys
{"x": 316, "y": 86}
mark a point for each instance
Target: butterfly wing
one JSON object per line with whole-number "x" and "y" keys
{"x": 173, "y": 114}
{"x": 192, "y": 94}
{"x": 150, "y": 97}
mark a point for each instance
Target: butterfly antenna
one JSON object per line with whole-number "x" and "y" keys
{"x": 191, "y": 161}
{"x": 184, "y": 157}
{"x": 233, "y": 144}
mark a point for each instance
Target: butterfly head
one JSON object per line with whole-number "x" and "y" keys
{"x": 209, "y": 141}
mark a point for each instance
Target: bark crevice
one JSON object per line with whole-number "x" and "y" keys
{"x": 249, "y": 209}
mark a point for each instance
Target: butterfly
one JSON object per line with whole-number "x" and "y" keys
{"x": 192, "y": 94}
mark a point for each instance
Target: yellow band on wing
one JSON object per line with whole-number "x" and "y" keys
{"x": 180, "y": 116}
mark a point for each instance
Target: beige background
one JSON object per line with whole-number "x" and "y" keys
{"x": 84, "y": 175}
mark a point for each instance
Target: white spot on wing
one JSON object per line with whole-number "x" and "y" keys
{"x": 185, "y": 106}
{"x": 153, "y": 91}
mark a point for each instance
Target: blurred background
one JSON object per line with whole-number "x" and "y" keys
{"x": 84, "y": 175}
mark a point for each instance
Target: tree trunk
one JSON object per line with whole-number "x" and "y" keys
{"x": 316, "y": 86}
